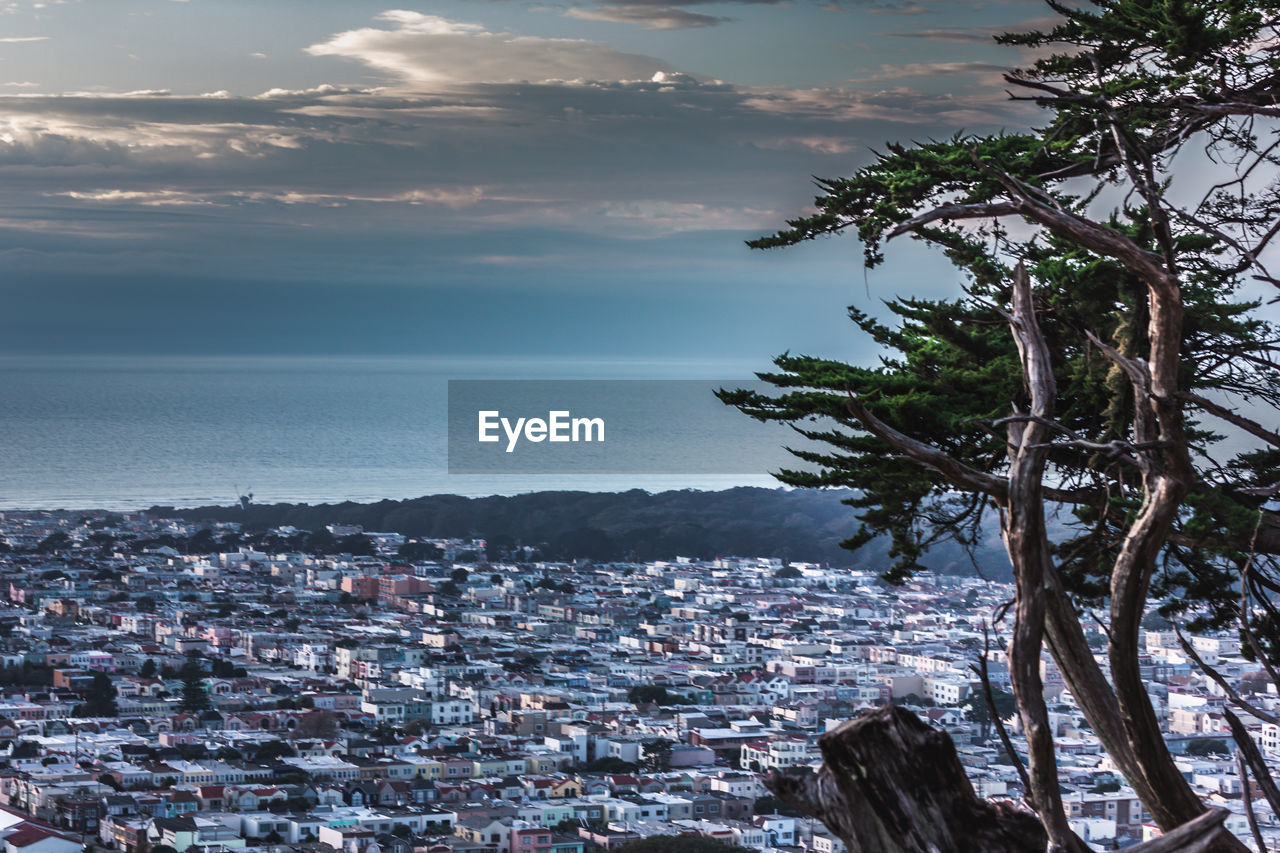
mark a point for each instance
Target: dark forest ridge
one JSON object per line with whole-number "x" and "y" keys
{"x": 795, "y": 525}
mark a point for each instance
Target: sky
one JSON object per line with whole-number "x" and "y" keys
{"x": 558, "y": 178}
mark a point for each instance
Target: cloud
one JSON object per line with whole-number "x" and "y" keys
{"x": 470, "y": 131}
{"x": 21, "y": 39}
{"x": 974, "y": 34}
{"x": 651, "y": 17}
{"x": 169, "y": 198}
{"x": 933, "y": 69}
{"x": 427, "y": 52}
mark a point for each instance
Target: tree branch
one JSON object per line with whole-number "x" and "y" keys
{"x": 926, "y": 455}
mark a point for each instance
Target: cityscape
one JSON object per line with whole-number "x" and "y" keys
{"x": 167, "y": 688}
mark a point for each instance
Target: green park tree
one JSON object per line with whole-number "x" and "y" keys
{"x": 194, "y": 696}
{"x": 99, "y": 698}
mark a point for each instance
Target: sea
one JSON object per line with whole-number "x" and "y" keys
{"x": 127, "y": 433}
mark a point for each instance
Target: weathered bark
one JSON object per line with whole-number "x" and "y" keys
{"x": 892, "y": 784}
{"x": 1027, "y": 542}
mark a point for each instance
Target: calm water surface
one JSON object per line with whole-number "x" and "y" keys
{"x": 124, "y": 433}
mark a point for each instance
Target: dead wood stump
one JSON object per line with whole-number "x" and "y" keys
{"x": 892, "y": 784}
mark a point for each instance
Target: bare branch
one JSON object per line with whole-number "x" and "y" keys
{"x": 927, "y": 456}
{"x": 984, "y": 675}
{"x": 1218, "y": 679}
{"x": 1253, "y": 757}
{"x": 1249, "y": 425}
{"x": 984, "y": 210}
{"x": 1246, "y": 795}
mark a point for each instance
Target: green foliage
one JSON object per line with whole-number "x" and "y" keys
{"x": 525, "y": 664}
{"x": 1117, "y": 86}
{"x": 1208, "y": 746}
{"x": 419, "y": 551}
{"x": 632, "y": 525}
{"x": 269, "y": 751}
{"x": 26, "y": 749}
{"x": 678, "y": 844}
{"x": 99, "y": 698}
{"x": 655, "y": 693}
{"x": 770, "y": 804}
{"x": 977, "y": 709}
{"x": 608, "y": 764}
{"x": 195, "y": 697}
{"x": 58, "y": 540}
{"x": 657, "y": 755}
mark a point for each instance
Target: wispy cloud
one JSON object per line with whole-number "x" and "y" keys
{"x": 648, "y": 16}
{"x": 975, "y": 34}
{"x": 470, "y": 128}
{"x": 430, "y": 51}
{"x": 932, "y": 69}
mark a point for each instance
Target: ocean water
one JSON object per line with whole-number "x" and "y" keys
{"x": 127, "y": 433}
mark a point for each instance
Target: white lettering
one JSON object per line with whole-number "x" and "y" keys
{"x": 559, "y": 426}
{"x": 513, "y": 435}
{"x": 488, "y": 423}
{"x": 587, "y": 425}
{"x": 558, "y": 422}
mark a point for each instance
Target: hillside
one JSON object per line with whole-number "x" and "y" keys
{"x": 795, "y": 525}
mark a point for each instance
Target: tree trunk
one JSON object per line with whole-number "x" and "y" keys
{"x": 892, "y": 784}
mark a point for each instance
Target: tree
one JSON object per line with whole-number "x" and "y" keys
{"x": 58, "y": 540}
{"x": 321, "y": 724}
{"x": 148, "y": 669}
{"x": 525, "y": 663}
{"x": 769, "y": 805}
{"x": 418, "y": 551}
{"x": 194, "y": 696}
{"x": 978, "y": 711}
{"x": 25, "y": 749}
{"x": 271, "y": 750}
{"x": 679, "y": 844}
{"x": 656, "y": 693}
{"x": 99, "y": 698}
{"x": 657, "y": 755}
{"x": 1208, "y": 746}
{"x": 1104, "y": 341}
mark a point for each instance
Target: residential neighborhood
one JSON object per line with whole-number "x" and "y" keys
{"x": 172, "y": 687}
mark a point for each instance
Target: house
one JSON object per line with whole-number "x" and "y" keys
{"x": 29, "y": 838}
